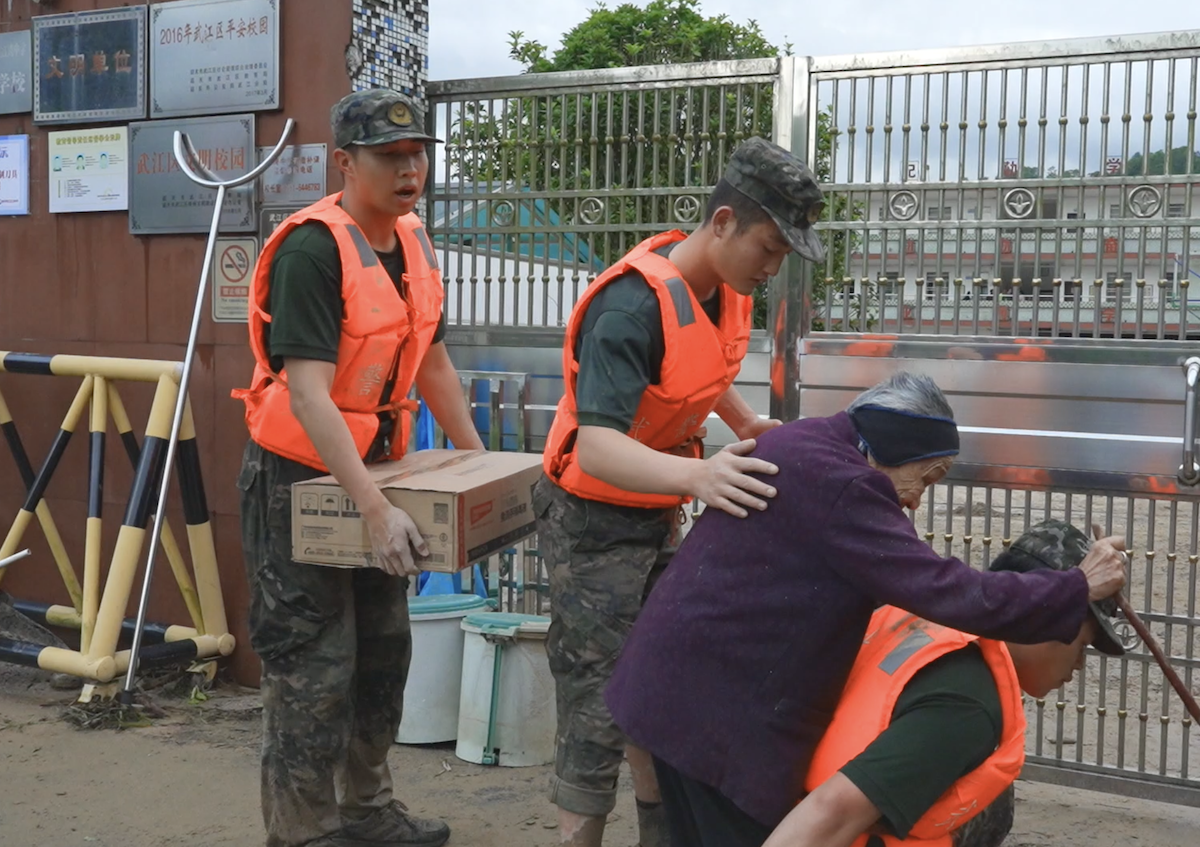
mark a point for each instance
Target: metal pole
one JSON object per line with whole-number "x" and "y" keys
{"x": 790, "y": 292}
{"x": 16, "y": 557}
{"x": 186, "y": 156}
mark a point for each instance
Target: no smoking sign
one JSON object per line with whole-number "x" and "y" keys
{"x": 233, "y": 266}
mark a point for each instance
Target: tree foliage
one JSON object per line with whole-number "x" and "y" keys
{"x": 621, "y": 163}
{"x": 665, "y": 31}
{"x": 1156, "y": 163}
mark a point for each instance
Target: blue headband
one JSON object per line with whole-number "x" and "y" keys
{"x": 897, "y": 438}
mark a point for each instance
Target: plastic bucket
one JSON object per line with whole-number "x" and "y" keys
{"x": 432, "y": 693}
{"x": 506, "y": 713}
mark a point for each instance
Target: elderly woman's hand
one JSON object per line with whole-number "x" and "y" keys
{"x": 1104, "y": 566}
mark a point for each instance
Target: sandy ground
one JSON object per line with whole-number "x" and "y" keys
{"x": 191, "y": 778}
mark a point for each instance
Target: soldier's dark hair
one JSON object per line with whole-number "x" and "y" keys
{"x": 746, "y": 212}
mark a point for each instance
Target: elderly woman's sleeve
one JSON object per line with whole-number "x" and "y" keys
{"x": 872, "y": 544}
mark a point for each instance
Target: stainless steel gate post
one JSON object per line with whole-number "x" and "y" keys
{"x": 790, "y": 294}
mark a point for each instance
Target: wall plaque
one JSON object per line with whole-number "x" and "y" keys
{"x": 297, "y": 176}
{"x": 89, "y": 66}
{"x": 162, "y": 199}
{"x": 210, "y": 57}
{"x": 16, "y": 73}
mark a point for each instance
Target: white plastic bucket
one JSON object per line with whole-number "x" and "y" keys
{"x": 506, "y": 715}
{"x": 432, "y": 693}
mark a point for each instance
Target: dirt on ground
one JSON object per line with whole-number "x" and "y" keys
{"x": 184, "y": 771}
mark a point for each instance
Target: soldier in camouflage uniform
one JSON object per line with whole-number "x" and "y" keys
{"x": 335, "y": 643}
{"x": 605, "y": 549}
{"x": 948, "y": 718}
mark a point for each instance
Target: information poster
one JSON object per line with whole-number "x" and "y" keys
{"x": 297, "y": 176}
{"x": 209, "y": 57}
{"x": 89, "y": 66}
{"x": 14, "y": 174}
{"x": 16, "y": 59}
{"x": 235, "y": 258}
{"x": 89, "y": 170}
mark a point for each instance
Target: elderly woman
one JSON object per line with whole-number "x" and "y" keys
{"x": 735, "y": 667}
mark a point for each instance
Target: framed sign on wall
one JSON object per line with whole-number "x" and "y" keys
{"x": 210, "y": 57}
{"x": 89, "y": 66}
{"x": 16, "y": 72}
{"x": 162, "y": 199}
{"x": 14, "y": 174}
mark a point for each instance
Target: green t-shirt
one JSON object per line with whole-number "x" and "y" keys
{"x": 946, "y": 723}
{"x": 620, "y": 349}
{"x": 306, "y": 295}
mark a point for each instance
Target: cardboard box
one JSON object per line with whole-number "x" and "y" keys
{"x": 468, "y": 504}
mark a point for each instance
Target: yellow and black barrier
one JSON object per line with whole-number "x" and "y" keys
{"x": 97, "y": 610}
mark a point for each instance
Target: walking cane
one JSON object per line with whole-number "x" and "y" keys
{"x": 185, "y": 155}
{"x": 1144, "y": 633}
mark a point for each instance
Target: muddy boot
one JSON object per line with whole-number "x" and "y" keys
{"x": 393, "y": 826}
{"x": 652, "y": 825}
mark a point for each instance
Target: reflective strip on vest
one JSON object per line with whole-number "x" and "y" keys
{"x": 683, "y": 302}
{"x": 904, "y": 651}
{"x": 430, "y": 258}
{"x": 366, "y": 253}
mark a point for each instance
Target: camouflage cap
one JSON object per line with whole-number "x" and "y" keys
{"x": 1058, "y": 546}
{"x": 785, "y": 188}
{"x": 377, "y": 116}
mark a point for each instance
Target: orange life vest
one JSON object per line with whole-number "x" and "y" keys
{"x": 898, "y": 644}
{"x": 700, "y": 362}
{"x": 384, "y": 338}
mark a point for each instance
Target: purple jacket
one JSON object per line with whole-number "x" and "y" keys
{"x": 735, "y": 665}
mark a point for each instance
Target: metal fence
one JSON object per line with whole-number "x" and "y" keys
{"x": 546, "y": 179}
{"x": 1023, "y": 214}
{"x": 1021, "y": 190}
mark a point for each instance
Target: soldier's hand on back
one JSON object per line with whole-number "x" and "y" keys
{"x": 1104, "y": 566}
{"x": 723, "y": 481}
{"x": 394, "y": 536}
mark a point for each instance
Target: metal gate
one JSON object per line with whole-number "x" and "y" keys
{"x": 1017, "y": 221}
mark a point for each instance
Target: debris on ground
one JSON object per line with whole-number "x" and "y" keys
{"x": 16, "y": 626}
{"x": 109, "y": 714}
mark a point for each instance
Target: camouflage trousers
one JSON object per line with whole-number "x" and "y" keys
{"x": 603, "y": 561}
{"x": 335, "y": 646}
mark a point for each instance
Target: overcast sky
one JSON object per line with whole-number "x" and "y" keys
{"x": 470, "y": 38}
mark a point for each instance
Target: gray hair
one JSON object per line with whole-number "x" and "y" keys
{"x": 916, "y": 394}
